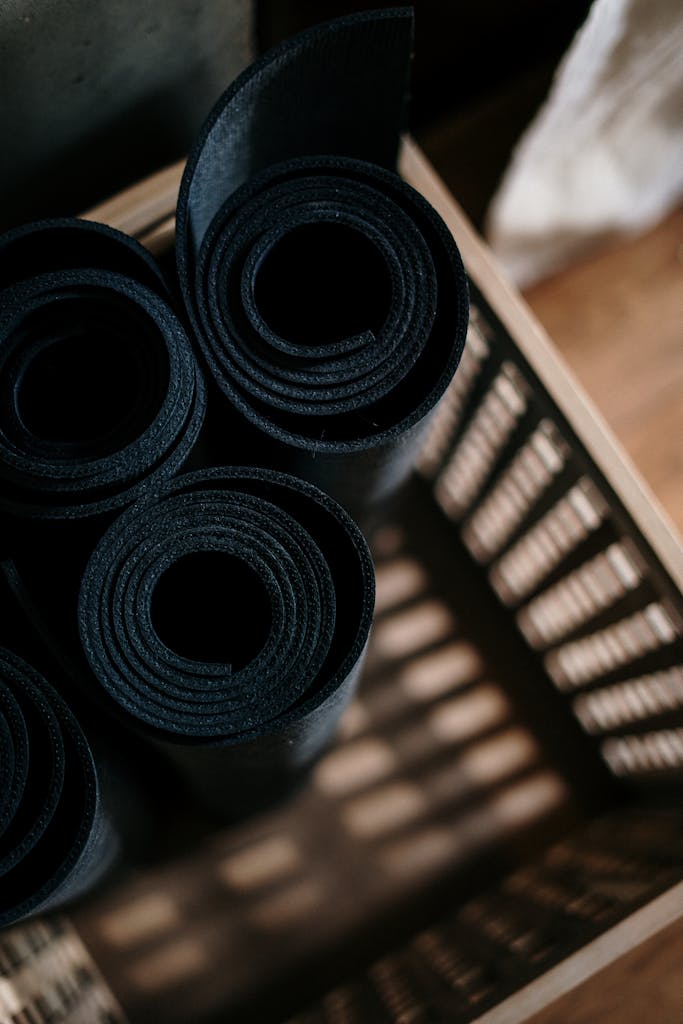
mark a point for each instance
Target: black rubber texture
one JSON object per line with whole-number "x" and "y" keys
{"x": 327, "y": 297}
{"x": 67, "y": 286}
{"x": 298, "y": 620}
{"x": 55, "y": 839}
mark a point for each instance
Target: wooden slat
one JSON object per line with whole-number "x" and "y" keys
{"x": 580, "y": 974}
{"x": 140, "y": 208}
{"x": 644, "y": 985}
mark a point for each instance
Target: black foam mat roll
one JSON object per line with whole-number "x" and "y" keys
{"x": 328, "y": 298}
{"x": 100, "y": 394}
{"x": 57, "y": 832}
{"x": 242, "y": 683}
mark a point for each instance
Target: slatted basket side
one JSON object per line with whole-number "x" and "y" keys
{"x": 473, "y": 959}
{"x": 561, "y": 552}
{"x": 47, "y": 975}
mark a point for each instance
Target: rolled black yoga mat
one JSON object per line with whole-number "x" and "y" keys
{"x": 61, "y": 805}
{"x": 100, "y": 394}
{"x": 327, "y": 296}
{"x": 226, "y": 617}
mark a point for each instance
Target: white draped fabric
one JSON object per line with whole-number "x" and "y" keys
{"x": 605, "y": 152}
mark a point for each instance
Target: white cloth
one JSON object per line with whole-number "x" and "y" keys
{"x": 605, "y": 152}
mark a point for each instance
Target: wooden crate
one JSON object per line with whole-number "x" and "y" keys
{"x": 498, "y": 833}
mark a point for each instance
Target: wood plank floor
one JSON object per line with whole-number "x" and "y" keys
{"x": 617, "y": 318}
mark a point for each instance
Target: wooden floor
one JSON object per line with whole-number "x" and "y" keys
{"x": 617, "y": 318}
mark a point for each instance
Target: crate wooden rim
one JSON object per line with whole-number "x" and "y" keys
{"x": 146, "y": 210}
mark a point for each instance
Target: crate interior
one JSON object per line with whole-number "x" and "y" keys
{"x": 503, "y": 789}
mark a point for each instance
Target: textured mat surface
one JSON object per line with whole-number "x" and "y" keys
{"x": 327, "y": 297}
{"x": 242, "y": 683}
